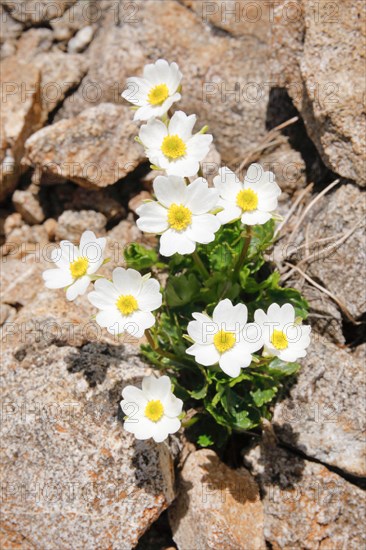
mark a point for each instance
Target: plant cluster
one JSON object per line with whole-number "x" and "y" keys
{"x": 224, "y": 330}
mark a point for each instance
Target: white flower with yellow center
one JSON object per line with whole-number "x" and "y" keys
{"x": 181, "y": 214}
{"x": 75, "y": 264}
{"x": 174, "y": 148}
{"x": 283, "y": 336}
{"x": 126, "y": 302}
{"x": 253, "y": 201}
{"x": 156, "y": 92}
{"x": 152, "y": 411}
{"x": 226, "y": 339}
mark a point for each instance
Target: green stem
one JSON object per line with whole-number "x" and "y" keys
{"x": 199, "y": 263}
{"x": 244, "y": 251}
{"x": 157, "y": 349}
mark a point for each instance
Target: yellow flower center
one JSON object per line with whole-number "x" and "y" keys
{"x": 247, "y": 200}
{"x": 79, "y": 267}
{"x": 173, "y": 147}
{"x": 179, "y": 217}
{"x": 224, "y": 340}
{"x": 154, "y": 410}
{"x": 127, "y": 304}
{"x": 158, "y": 94}
{"x": 279, "y": 339}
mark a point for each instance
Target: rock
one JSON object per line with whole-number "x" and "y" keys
{"x": 71, "y": 225}
{"x": 138, "y": 200}
{"x": 60, "y": 72}
{"x": 81, "y": 40}
{"x": 325, "y": 317}
{"x": 21, "y": 116}
{"x": 216, "y": 507}
{"x": 25, "y": 240}
{"x": 211, "y": 164}
{"x": 13, "y": 221}
{"x": 336, "y": 215}
{"x": 21, "y": 280}
{"x": 50, "y": 226}
{"x": 7, "y": 313}
{"x": 87, "y": 481}
{"x": 329, "y": 96}
{"x": 287, "y": 165}
{"x": 28, "y": 205}
{"x": 306, "y": 505}
{"x": 101, "y": 200}
{"x": 323, "y": 413}
{"x": 36, "y": 11}
{"x": 226, "y": 88}
{"x": 10, "y": 30}
{"x": 94, "y": 149}
{"x": 80, "y": 14}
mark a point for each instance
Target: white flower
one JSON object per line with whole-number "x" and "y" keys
{"x": 127, "y": 302}
{"x": 173, "y": 148}
{"x": 226, "y": 339}
{"x": 181, "y": 214}
{"x": 254, "y": 201}
{"x": 152, "y": 411}
{"x": 283, "y": 336}
{"x": 156, "y": 92}
{"x": 75, "y": 264}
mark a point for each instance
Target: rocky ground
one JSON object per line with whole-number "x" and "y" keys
{"x": 72, "y": 478}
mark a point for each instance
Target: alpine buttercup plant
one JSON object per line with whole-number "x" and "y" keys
{"x": 221, "y": 331}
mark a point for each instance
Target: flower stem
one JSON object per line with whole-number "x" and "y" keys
{"x": 199, "y": 263}
{"x": 157, "y": 349}
{"x": 244, "y": 251}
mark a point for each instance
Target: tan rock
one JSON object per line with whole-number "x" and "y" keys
{"x": 80, "y": 14}
{"x": 216, "y": 507}
{"x": 50, "y": 226}
{"x": 225, "y": 78}
{"x": 306, "y": 505}
{"x": 37, "y": 11}
{"x": 323, "y": 413}
{"x": 95, "y": 149}
{"x": 71, "y": 224}
{"x": 21, "y": 116}
{"x": 138, "y": 200}
{"x": 25, "y": 240}
{"x": 81, "y": 40}
{"x": 28, "y": 205}
{"x": 307, "y": 38}
{"x": 88, "y": 482}
{"x": 10, "y": 30}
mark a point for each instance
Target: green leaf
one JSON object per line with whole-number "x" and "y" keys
{"x": 280, "y": 367}
{"x": 260, "y": 397}
{"x": 140, "y": 258}
{"x": 205, "y": 440}
{"x": 181, "y": 290}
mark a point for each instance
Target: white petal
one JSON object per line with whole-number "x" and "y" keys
{"x": 205, "y": 355}
{"x": 150, "y": 297}
{"x": 234, "y": 360}
{"x": 203, "y": 228}
{"x": 256, "y": 217}
{"x": 78, "y": 288}
{"x": 137, "y": 90}
{"x": 138, "y": 322}
{"x": 127, "y": 281}
{"x": 172, "y": 406}
{"x": 153, "y": 133}
{"x": 70, "y": 251}
{"x": 182, "y": 125}
{"x": 172, "y": 242}
{"x": 230, "y": 212}
{"x": 131, "y": 394}
{"x": 198, "y": 146}
{"x": 106, "y": 288}
{"x": 153, "y": 218}
{"x": 156, "y": 388}
{"x": 231, "y": 316}
{"x": 57, "y": 278}
{"x": 143, "y": 429}
{"x": 201, "y": 199}
{"x": 102, "y": 300}
{"x": 164, "y": 427}
{"x": 227, "y": 184}
{"x": 203, "y": 330}
{"x": 185, "y": 167}
{"x": 170, "y": 190}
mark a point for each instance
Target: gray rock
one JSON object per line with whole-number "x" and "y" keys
{"x": 28, "y": 205}
{"x": 307, "y": 38}
{"x": 94, "y": 149}
{"x": 72, "y": 475}
{"x": 216, "y": 507}
{"x": 71, "y": 224}
{"x": 306, "y": 505}
{"x": 323, "y": 416}
{"x": 337, "y": 214}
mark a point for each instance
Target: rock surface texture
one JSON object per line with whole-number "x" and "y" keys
{"x": 216, "y": 507}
